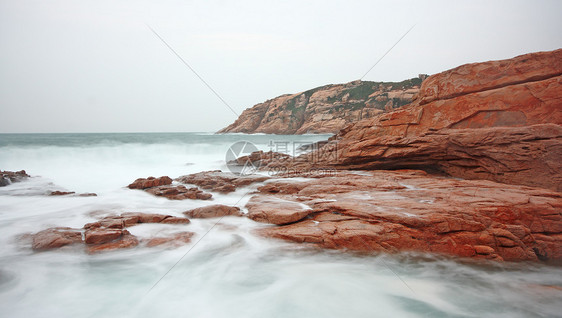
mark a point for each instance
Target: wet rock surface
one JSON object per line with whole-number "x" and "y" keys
{"x": 109, "y": 233}
{"x": 179, "y": 192}
{"x": 413, "y": 211}
{"x": 276, "y": 210}
{"x": 9, "y": 177}
{"x": 71, "y": 193}
{"x": 219, "y": 181}
{"x": 174, "y": 240}
{"x": 213, "y": 211}
{"x": 145, "y": 183}
{"x": 55, "y": 238}
{"x": 162, "y": 187}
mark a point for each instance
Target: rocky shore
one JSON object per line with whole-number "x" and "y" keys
{"x": 498, "y": 121}
{"x": 471, "y": 168}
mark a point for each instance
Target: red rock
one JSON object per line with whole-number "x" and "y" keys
{"x": 324, "y": 109}
{"x": 150, "y": 182}
{"x": 106, "y": 234}
{"x": 478, "y": 77}
{"x": 179, "y": 193}
{"x": 175, "y": 240}
{"x": 219, "y": 181}
{"x": 275, "y": 210}
{"x": 213, "y": 211}
{"x": 87, "y": 195}
{"x": 260, "y": 158}
{"x": 8, "y": 177}
{"x": 61, "y": 193}
{"x": 394, "y": 211}
{"x": 55, "y": 238}
{"x": 125, "y": 241}
{"x": 132, "y": 218}
{"x": 175, "y": 220}
{"x": 100, "y": 236}
{"x": 515, "y": 155}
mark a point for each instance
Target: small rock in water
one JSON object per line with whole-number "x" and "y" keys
{"x": 9, "y": 177}
{"x": 213, "y": 211}
{"x": 142, "y": 183}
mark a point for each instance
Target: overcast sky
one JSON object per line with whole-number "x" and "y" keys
{"x": 95, "y": 66}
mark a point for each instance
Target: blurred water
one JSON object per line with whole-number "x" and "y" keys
{"x": 229, "y": 273}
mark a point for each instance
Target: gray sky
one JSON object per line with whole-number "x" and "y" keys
{"x": 94, "y": 66}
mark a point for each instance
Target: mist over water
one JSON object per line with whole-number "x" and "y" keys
{"x": 230, "y": 272}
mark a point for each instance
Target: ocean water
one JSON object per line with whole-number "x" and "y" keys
{"x": 224, "y": 272}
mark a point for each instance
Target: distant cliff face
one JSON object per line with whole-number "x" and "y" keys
{"x": 325, "y": 109}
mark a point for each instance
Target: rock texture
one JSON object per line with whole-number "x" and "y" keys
{"x": 132, "y": 218}
{"x": 109, "y": 233}
{"x": 9, "y": 177}
{"x": 325, "y": 109}
{"x": 175, "y": 240}
{"x": 55, "y": 238}
{"x": 179, "y": 192}
{"x": 219, "y": 181}
{"x": 275, "y": 210}
{"x": 213, "y": 211}
{"x": 483, "y": 120}
{"x": 162, "y": 187}
{"x": 409, "y": 210}
{"x": 142, "y": 183}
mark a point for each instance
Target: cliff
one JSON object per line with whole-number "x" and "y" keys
{"x": 325, "y": 109}
{"x": 497, "y": 120}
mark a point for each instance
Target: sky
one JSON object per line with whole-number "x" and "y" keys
{"x": 95, "y": 65}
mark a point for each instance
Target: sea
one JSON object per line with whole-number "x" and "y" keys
{"x": 226, "y": 271}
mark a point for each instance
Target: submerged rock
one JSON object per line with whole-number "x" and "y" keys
{"x": 71, "y": 193}
{"x": 108, "y": 233}
{"x": 55, "y": 238}
{"x": 9, "y": 177}
{"x": 127, "y": 240}
{"x": 132, "y": 218}
{"x": 55, "y": 193}
{"x": 103, "y": 235}
{"x": 175, "y": 240}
